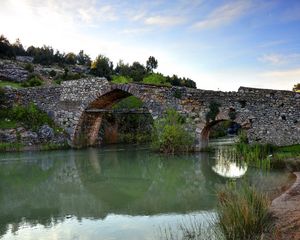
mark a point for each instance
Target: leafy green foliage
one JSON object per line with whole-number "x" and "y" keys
{"x": 213, "y": 111}
{"x": 169, "y": 134}
{"x": 156, "y": 79}
{"x": 151, "y": 64}
{"x": 177, "y": 93}
{"x": 29, "y": 67}
{"x": 296, "y": 87}
{"x": 8, "y": 50}
{"x": 137, "y": 72}
{"x": 243, "y": 213}
{"x": 121, "y": 79}
{"x": 29, "y": 116}
{"x": 71, "y": 58}
{"x": 220, "y": 129}
{"x": 102, "y": 67}
{"x": 181, "y": 82}
{"x": 83, "y": 59}
{"x": 33, "y": 81}
{"x": 130, "y": 102}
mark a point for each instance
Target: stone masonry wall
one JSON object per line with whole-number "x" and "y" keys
{"x": 270, "y": 116}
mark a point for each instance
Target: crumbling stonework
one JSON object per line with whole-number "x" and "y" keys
{"x": 269, "y": 116}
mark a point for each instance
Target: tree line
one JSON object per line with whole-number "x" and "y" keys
{"x": 102, "y": 66}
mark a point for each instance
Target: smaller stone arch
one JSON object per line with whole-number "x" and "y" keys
{"x": 244, "y": 120}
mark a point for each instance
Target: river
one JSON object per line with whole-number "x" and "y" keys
{"x": 116, "y": 192}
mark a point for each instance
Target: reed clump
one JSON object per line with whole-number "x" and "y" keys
{"x": 242, "y": 213}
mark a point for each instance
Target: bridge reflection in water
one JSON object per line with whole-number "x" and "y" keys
{"x": 109, "y": 193}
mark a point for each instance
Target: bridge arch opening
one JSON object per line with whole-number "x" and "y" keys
{"x": 100, "y": 117}
{"x": 220, "y": 128}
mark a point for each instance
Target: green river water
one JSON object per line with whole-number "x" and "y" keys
{"x": 114, "y": 192}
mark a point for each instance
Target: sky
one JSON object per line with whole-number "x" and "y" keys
{"x": 220, "y": 44}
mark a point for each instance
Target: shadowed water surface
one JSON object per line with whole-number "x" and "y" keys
{"x": 112, "y": 193}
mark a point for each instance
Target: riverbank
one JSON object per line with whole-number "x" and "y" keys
{"x": 286, "y": 213}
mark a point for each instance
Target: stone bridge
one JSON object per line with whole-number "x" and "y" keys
{"x": 269, "y": 116}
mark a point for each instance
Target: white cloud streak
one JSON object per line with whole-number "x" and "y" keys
{"x": 167, "y": 21}
{"x": 224, "y": 15}
{"x": 280, "y": 59}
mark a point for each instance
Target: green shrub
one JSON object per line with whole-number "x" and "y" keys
{"x": 169, "y": 134}
{"x": 52, "y": 73}
{"x": 33, "y": 81}
{"x": 242, "y": 214}
{"x": 30, "y": 116}
{"x": 156, "y": 79}
{"x": 213, "y": 111}
{"x": 121, "y": 79}
{"x": 177, "y": 93}
{"x": 130, "y": 102}
{"x": 29, "y": 67}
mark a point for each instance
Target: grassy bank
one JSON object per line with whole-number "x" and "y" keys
{"x": 18, "y": 147}
{"x": 268, "y": 156}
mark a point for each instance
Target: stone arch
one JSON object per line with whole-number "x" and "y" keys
{"x": 243, "y": 119}
{"x": 89, "y": 123}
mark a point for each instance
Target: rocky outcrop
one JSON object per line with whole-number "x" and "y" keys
{"x": 11, "y": 71}
{"x": 27, "y": 137}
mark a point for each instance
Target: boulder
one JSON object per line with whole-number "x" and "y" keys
{"x": 46, "y": 133}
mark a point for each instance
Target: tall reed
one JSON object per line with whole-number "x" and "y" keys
{"x": 242, "y": 213}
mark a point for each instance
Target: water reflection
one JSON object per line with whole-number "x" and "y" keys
{"x": 227, "y": 165}
{"x": 71, "y": 193}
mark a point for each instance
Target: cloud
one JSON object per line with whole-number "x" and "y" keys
{"x": 224, "y": 15}
{"x": 164, "y": 21}
{"x": 280, "y": 59}
{"x": 283, "y": 74}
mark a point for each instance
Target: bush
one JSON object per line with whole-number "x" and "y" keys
{"x": 30, "y": 116}
{"x": 121, "y": 79}
{"x": 32, "y": 82}
{"x": 52, "y": 73}
{"x": 177, "y": 93}
{"x": 169, "y": 134}
{"x": 156, "y": 79}
{"x": 213, "y": 111}
{"x": 243, "y": 213}
{"x": 29, "y": 67}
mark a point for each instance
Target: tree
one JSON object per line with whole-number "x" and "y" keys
{"x": 296, "y": 87}
{"x": 71, "y": 58}
{"x": 18, "y": 48}
{"x": 6, "y": 49}
{"x": 102, "y": 67}
{"x": 83, "y": 59}
{"x": 137, "y": 72}
{"x": 151, "y": 64}
{"x": 122, "y": 69}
